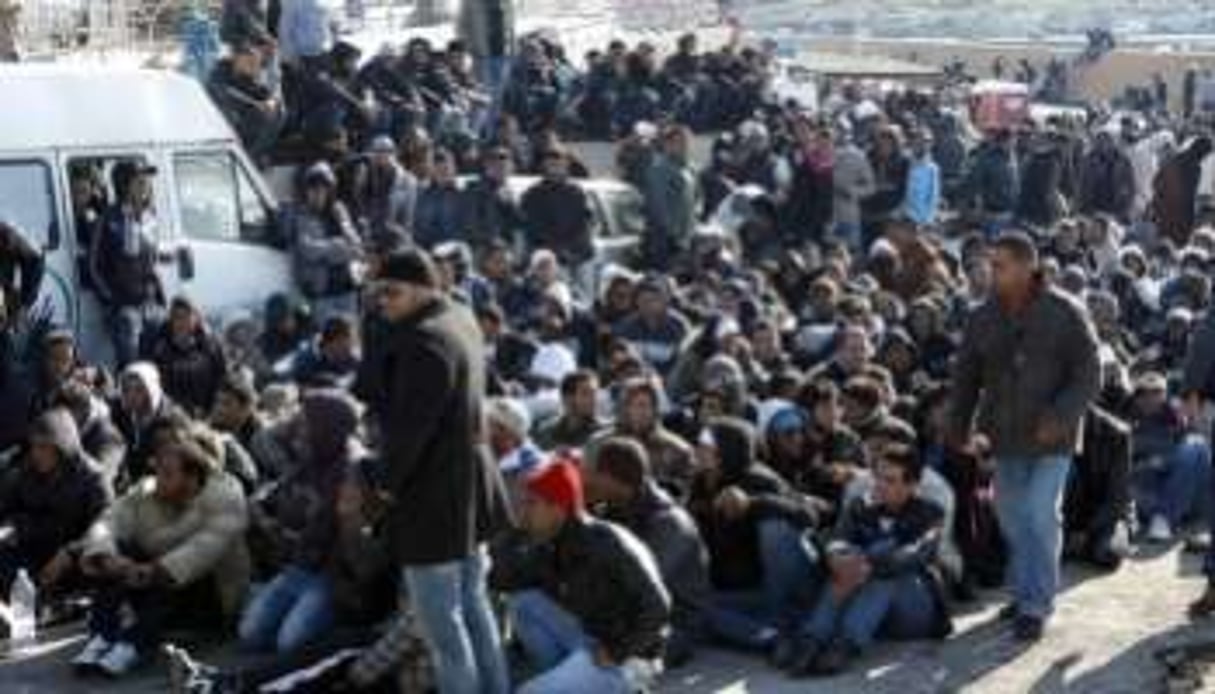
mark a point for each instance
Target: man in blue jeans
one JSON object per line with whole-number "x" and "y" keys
{"x": 1025, "y": 375}
{"x": 882, "y": 574}
{"x": 590, "y": 608}
{"x": 444, "y": 493}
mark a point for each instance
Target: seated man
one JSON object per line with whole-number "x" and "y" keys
{"x": 624, "y": 491}
{"x": 99, "y": 438}
{"x": 509, "y": 424}
{"x": 882, "y": 575}
{"x": 590, "y": 608}
{"x": 1171, "y": 469}
{"x": 48, "y": 500}
{"x": 761, "y": 562}
{"x": 171, "y": 549}
{"x": 579, "y": 419}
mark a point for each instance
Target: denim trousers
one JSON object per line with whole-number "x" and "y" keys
{"x": 1029, "y": 503}
{"x": 451, "y": 601}
{"x": 752, "y": 619}
{"x": 294, "y": 609}
{"x": 902, "y": 607}
{"x": 1175, "y": 490}
{"x": 559, "y": 648}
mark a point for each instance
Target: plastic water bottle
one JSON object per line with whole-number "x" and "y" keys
{"x": 23, "y": 622}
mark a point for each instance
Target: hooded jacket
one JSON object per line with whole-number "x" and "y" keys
{"x": 51, "y": 511}
{"x": 135, "y": 428}
{"x": 304, "y": 502}
{"x": 735, "y": 562}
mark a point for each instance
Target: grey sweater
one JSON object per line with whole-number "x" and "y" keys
{"x": 1019, "y": 371}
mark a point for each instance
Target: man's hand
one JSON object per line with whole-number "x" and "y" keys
{"x": 602, "y": 658}
{"x": 733, "y": 503}
{"x": 54, "y": 569}
{"x": 849, "y": 572}
{"x": 145, "y": 575}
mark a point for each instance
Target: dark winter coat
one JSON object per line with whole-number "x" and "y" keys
{"x": 1016, "y": 370}
{"x": 558, "y": 216}
{"x": 601, "y": 574}
{"x": 50, "y": 511}
{"x": 735, "y": 562}
{"x": 447, "y": 496}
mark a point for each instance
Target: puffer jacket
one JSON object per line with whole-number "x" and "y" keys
{"x": 601, "y": 574}
{"x": 205, "y": 538}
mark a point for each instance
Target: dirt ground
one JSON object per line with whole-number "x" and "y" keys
{"x": 1105, "y": 639}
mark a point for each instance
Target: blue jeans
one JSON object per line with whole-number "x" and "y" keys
{"x": 294, "y": 609}
{"x": 1174, "y": 491}
{"x": 557, "y": 645}
{"x": 751, "y": 619}
{"x": 851, "y": 234}
{"x": 902, "y": 607}
{"x": 453, "y": 609}
{"x": 127, "y": 327}
{"x": 1029, "y": 503}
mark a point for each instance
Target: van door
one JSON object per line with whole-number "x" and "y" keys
{"x": 231, "y": 247}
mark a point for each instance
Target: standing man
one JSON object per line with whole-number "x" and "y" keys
{"x": 672, "y": 197}
{"x": 124, "y": 256}
{"x": 445, "y": 495}
{"x": 1028, "y": 365}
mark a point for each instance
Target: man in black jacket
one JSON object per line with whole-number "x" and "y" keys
{"x": 590, "y": 608}
{"x": 445, "y": 495}
{"x": 557, "y": 213}
{"x": 761, "y": 561}
{"x": 253, "y": 109}
{"x": 48, "y": 500}
{"x": 627, "y": 493}
{"x": 490, "y": 211}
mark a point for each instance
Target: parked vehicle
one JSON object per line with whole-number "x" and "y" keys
{"x": 215, "y": 218}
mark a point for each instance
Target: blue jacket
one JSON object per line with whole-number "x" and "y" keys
{"x": 923, "y": 191}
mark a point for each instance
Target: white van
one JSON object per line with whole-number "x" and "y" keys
{"x": 215, "y": 216}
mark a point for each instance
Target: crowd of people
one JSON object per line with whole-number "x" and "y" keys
{"x": 471, "y": 457}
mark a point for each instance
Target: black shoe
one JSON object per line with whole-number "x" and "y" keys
{"x": 1028, "y": 629}
{"x": 1008, "y": 613}
{"x": 834, "y": 660}
{"x": 803, "y": 664}
{"x": 786, "y": 652}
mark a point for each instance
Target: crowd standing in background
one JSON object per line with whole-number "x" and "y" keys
{"x": 919, "y": 361}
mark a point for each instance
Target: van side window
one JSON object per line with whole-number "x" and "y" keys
{"x": 27, "y": 201}
{"x": 218, "y": 202}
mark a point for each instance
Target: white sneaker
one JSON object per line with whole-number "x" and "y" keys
{"x": 92, "y": 654}
{"x": 121, "y": 659}
{"x": 1159, "y": 530}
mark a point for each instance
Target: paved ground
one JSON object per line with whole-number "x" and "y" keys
{"x": 1104, "y": 641}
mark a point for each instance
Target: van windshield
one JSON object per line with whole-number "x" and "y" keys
{"x": 27, "y": 200}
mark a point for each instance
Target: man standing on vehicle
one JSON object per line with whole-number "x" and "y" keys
{"x": 557, "y": 217}
{"x": 123, "y": 260}
{"x": 672, "y": 196}
{"x": 1028, "y": 364}
{"x": 444, "y": 492}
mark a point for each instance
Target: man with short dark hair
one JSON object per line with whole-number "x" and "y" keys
{"x": 625, "y": 490}
{"x": 881, "y": 566}
{"x": 1025, "y": 376}
{"x": 579, "y": 420}
{"x": 445, "y": 495}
